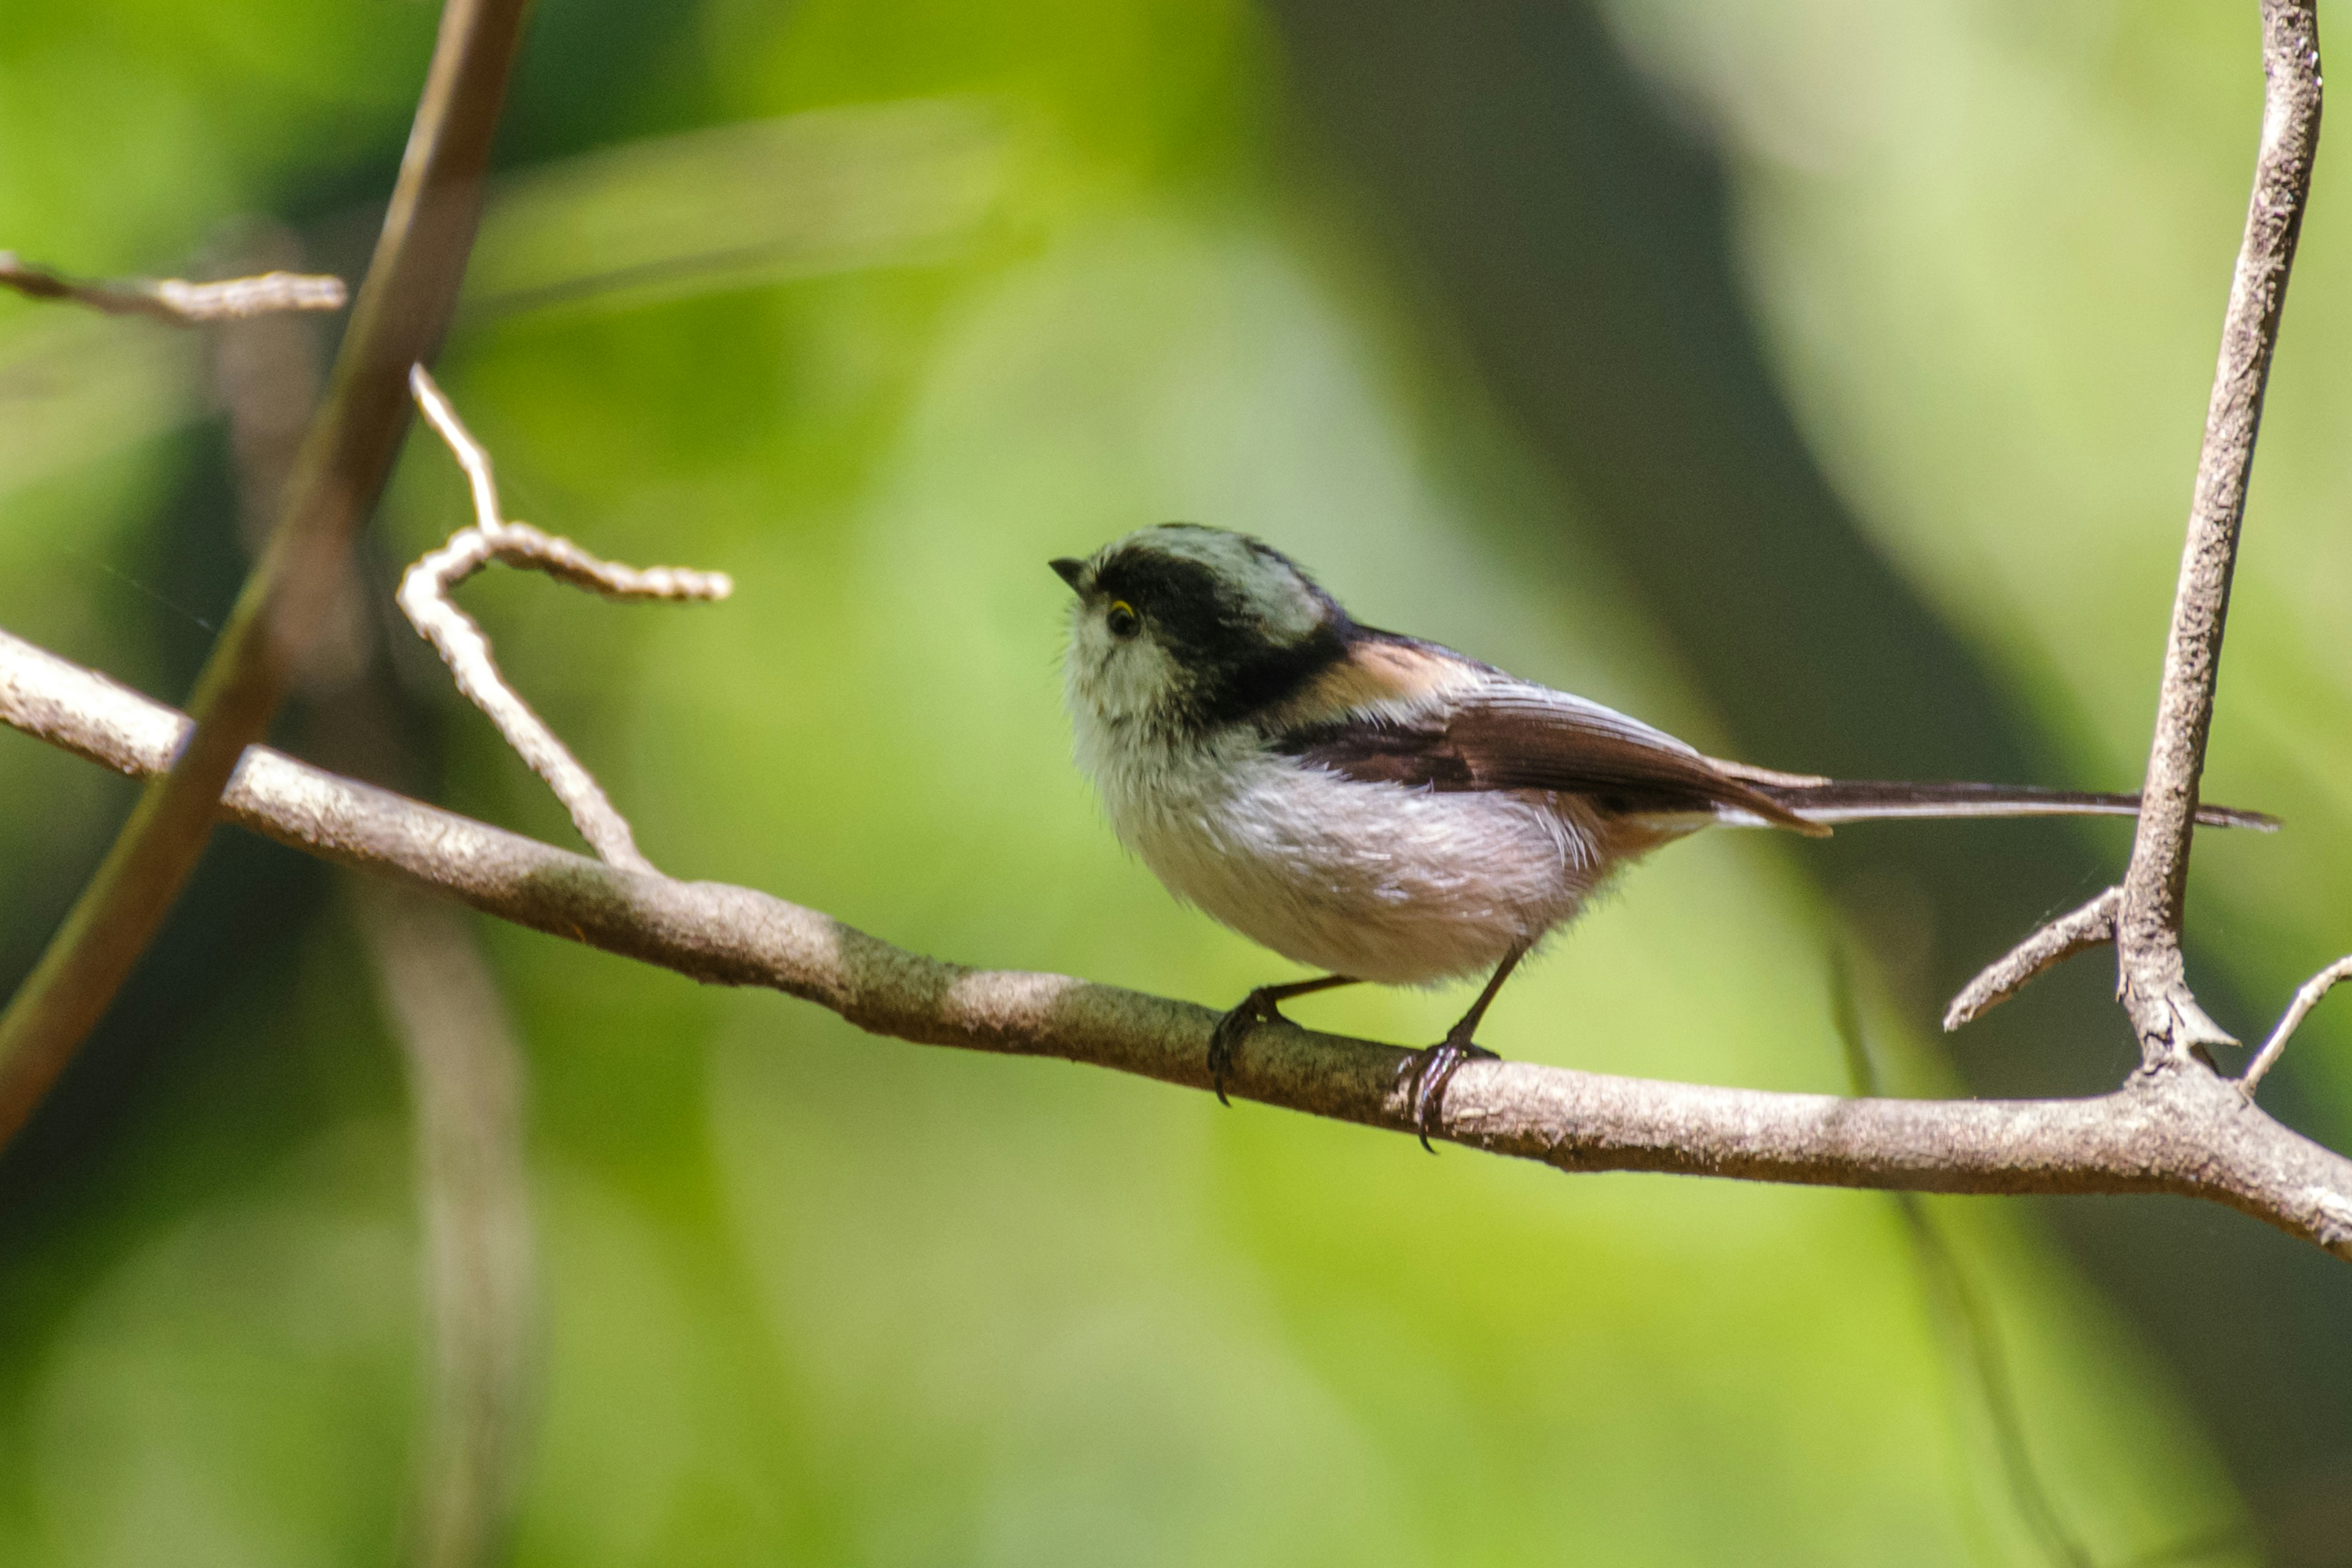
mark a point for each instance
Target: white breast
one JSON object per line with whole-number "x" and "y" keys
{"x": 1374, "y": 881}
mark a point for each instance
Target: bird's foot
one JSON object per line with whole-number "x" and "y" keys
{"x": 1225, "y": 1039}
{"x": 1426, "y": 1072}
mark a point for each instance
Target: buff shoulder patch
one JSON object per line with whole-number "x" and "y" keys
{"x": 1379, "y": 673}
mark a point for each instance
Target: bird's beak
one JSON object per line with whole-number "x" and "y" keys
{"x": 1068, "y": 570}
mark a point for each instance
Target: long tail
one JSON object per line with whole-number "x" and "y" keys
{"x": 1832, "y": 801}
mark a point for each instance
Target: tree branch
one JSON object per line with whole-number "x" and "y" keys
{"x": 2154, "y": 990}
{"x": 466, "y": 1079}
{"x": 2305, "y": 999}
{"x": 425, "y": 598}
{"x": 2093, "y": 925}
{"x": 172, "y": 299}
{"x": 2188, "y": 1133}
{"x": 404, "y": 306}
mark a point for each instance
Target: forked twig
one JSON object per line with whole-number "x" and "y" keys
{"x": 2318, "y": 985}
{"x": 425, "y": 598}
{"x": 174, "y": 300}
{"x": 2093, "y": 925}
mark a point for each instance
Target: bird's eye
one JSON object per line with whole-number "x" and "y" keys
{"x": 1122, "y": 620}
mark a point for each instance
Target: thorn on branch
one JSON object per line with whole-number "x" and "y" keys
{"x": 175, "y": 300}
{"x": 2093, "y": 925}
{"x": 425, "y": 599}
{"x": 2318, "y": 985}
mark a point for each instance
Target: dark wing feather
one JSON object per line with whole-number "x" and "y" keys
{"x": 1527, "y": 738}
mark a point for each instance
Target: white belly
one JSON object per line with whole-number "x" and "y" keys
{"x": 1384, "y": 883}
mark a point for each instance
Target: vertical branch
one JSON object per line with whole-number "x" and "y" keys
{"x": 465, "y": 1076}
{"x": 402, "y": 308}
{"x": 2150, "y": 975}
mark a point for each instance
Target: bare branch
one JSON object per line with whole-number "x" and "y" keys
{"x": 2170, "y": 1024}
{"x": 2318, "y": 985}
{"x": 2093, "y": 925}
{"x": 466, "y": 1078}
{"x": 180, "y": 303}
{"x": 2188, "y": 1132}
{"x": 404, "y": 306}
{"x": 425, "y": 598}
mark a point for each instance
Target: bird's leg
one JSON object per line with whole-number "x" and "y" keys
{"x": 1425, "y": 1073}
{"x": 1260, "y": 1006}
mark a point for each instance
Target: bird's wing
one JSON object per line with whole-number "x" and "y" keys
{"x": 1494, "y": 733}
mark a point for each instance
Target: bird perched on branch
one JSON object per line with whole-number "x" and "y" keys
{"x": 1386, "y": 809}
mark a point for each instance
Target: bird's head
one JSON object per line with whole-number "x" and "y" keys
{"x": 1183, "y": 630}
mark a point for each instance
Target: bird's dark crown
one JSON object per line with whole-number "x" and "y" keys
{"x": 1245, "y": 626}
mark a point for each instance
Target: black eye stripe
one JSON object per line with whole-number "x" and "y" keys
{"x": 1187, "y": 605}
{"x": 1230, "y": 667}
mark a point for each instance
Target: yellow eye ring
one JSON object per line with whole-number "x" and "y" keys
{"x": 1121, "y": 619}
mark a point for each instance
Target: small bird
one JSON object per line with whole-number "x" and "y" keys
{"x": 1385, "y": 809}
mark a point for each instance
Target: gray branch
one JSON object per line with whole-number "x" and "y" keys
{"x": 2093, "y": 925}
{"x": 425, "y": 598}
{"x": 2305, "y": 999}
{"x": 466, "y": 1079}
{"x": 2171, "y": 1026}
{"x": 2188, "y": 1132}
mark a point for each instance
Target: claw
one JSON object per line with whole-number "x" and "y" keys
{"x": 1225, "y": 1039}
{"x": 1426, "y": 1073}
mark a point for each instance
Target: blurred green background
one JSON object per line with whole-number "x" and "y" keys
{"x": 1822, "y": 380}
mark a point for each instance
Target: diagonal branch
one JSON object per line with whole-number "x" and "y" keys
{"x": 2305, "y": 999}
{"x": 425, "y": 598}
{"x": 2093, "y": 925}
{"x": 172, "y": 299}
{"x": 404, "y": 306}
{"x": 2154, "y": 987}
{"x": 2187, "y": 1133}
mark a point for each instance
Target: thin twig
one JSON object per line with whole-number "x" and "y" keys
{"x": 465, "y": 1076}
{"x": 2170, "y": 1024}
{"x": 172, "y": 299}
{"x": 2318, "y": 985}
{"x": 425, "y": 599}
{"x": 404, "y": 306}
{"x": 2187, "y": 1133}
{"x": 2093, "y": 925}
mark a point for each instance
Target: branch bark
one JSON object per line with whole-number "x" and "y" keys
{"x": 2171, "y": 1026}
{"x": 404, "y": 307}
{"x": 173, "y": 299}
{"x": 466, "y": 1079}
{"x": 2093, "y": 925}
{"x": 425, "y": 599}
{"x": 2187, "y": 1133}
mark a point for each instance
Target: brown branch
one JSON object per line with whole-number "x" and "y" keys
{"x": 172, "y": 299}
{"x": 466, "y": 1072}
{"x": 2155, "y": 989}
{"x": 2093, "y": 925}
{"x": 425, "y": 598}
{"x": 2188, "y": 1133}
{"x": 404, "y": 306}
